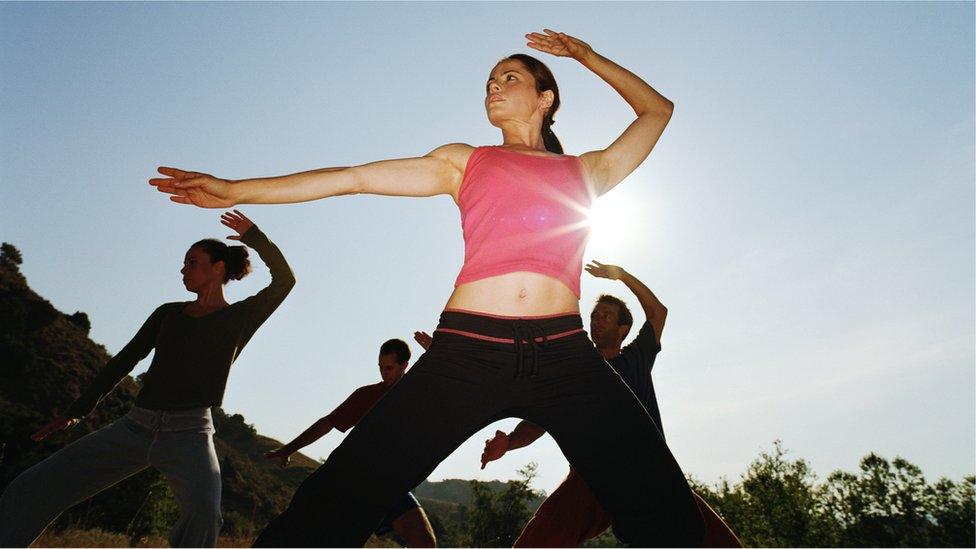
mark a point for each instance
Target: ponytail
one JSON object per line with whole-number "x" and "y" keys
{"x": 549, "y": 138}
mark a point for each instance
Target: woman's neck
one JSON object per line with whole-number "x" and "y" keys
{"x": 520, "y": 135}
{"x": 211, "y": 297}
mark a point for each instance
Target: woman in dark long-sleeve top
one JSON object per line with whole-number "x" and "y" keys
{"x": 170, "y": 426}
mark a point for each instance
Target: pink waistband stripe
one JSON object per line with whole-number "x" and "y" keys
{"x": 483, "y": 337}
{"x": 504, "y": 317}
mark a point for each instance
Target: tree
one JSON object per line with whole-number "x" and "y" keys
{"x": 497, "y": 519}
{"x": 81, "y": 320}
{"x": 776, "y": 504}
{"x": 954, "y": 512}
{"x": 889, "y": 504}
{"x": 10, "y": 255}
{"x": 883, "y": 504}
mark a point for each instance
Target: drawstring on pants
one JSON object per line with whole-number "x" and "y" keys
{"x": 527, "y": 332}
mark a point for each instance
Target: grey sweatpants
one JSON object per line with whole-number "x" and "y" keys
{"x": 179, "y": 444}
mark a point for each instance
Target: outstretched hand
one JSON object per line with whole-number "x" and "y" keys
{"x": 602, "y": 270}
{"x": 57, "y": 424}
{"x": 495, "y": 447}
{"x": 198, "y": 189}
{"x": 424, "y": 339}
{"x": 237, "y": 221}
{"x": 559, "y": 44}
{"x": 281, "y": 454}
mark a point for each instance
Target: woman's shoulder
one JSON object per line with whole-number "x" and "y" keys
{"x": 173, "y": 306}
{"x": 455, "y": 153}
{"x": 168, "y": 309}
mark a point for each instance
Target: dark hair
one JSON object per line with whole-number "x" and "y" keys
{"x": 398, "y": 347}
{"x": 236, "y": 263}
{"x": 544, "y": 81}
{"x": 624, "y": 316}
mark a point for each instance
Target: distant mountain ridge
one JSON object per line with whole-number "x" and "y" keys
{"x": 458, "y": 491}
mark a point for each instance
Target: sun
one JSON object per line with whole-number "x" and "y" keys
{"x": 612, "y": 220}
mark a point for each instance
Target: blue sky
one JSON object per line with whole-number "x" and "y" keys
{"x": 808, "y": 216}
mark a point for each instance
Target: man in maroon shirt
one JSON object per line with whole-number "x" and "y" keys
{"x": 406, "y": 518}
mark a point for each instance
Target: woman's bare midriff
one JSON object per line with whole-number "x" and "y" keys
{"x": 515, "y": 294}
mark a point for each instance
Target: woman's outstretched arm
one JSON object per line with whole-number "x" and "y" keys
{"x": 108, "y": 377}
{"x": 437, "y": 172}
{"x": 608, "y": 167}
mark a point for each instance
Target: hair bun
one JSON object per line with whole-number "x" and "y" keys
{"x": 237, "y": 263}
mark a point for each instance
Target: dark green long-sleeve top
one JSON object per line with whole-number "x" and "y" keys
{"x": 193, "y": 354}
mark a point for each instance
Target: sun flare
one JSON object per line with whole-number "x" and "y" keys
{"x": 611, "y": 221}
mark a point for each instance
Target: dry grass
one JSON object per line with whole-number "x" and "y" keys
{"x": 99, "y": 538}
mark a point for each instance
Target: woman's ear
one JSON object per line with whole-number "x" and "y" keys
{"x": 545, "y": 99}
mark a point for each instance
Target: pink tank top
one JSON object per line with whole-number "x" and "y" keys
{"x": 523, "y": 213}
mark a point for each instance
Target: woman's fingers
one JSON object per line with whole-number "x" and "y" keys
{"x": 541, "y": 41}
{"x": 173, "y": 173}
{"x": 170, "y": 171}
{"x": 237, "y": 216}
{"x": 557, "y": 43}
{"x": 176, "y": 176}
{"x": 168, "y": 189}
{"x": 237, "y": 219}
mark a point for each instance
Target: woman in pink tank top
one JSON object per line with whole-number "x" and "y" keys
{"x": 510, "y": 342}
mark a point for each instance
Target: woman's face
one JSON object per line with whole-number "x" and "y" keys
{"x": 198, "y": 271}
{"x": 510, "y": 94}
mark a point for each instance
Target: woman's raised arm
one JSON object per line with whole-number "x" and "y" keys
{"x": 610, "y": 166}
{"x": 438, "y": 172}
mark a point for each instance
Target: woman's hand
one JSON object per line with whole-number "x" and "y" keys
{"x": 602, "y": 270}
{"x": 237, "y": 221}
{"x": 281, "y": 454}
{"x": 199, "y": 189}
{"x": 559, "y": 44}
{"x": 57, "y": 424}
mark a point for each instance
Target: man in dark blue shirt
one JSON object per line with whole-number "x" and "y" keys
{"x": 571, "y": 514}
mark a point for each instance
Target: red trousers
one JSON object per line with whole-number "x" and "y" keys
{"x": 572, "y": 515}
